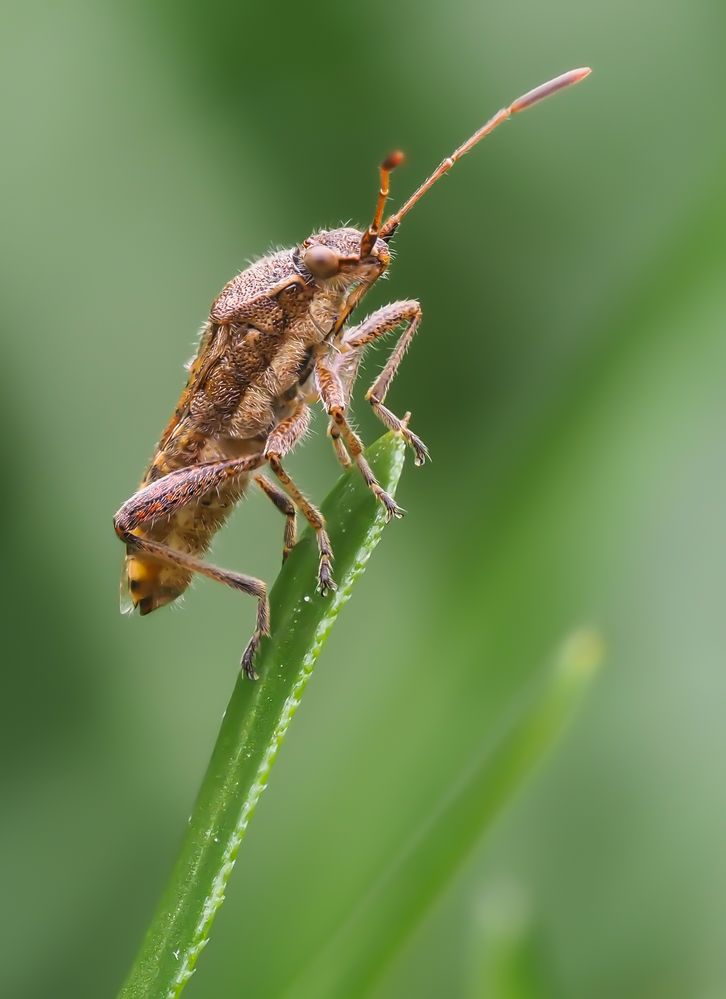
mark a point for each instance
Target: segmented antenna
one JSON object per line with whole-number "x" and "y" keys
{"x": 521, "y": 103}
{"x": 387, "y": 167}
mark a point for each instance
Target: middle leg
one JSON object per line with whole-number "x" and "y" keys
{"x": 279, "y": 443}
{"x": 286, "y": 507}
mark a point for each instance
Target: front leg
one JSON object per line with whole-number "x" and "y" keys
{"x": 380, "y": 323}
{"x": 332, "y": 393}
{"x": 345, "y": 365}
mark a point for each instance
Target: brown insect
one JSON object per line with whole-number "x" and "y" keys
{"x": 276, "y": 340}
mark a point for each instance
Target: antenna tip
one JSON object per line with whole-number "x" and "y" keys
{"x": 393, "y": 160}
{"x": 549, "y": 88}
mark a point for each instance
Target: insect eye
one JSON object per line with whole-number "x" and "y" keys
{"x": 321, "y": 261}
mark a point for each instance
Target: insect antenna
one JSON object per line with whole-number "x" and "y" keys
{"x": 386, "y": 168}
{"x": 521, "y": 103}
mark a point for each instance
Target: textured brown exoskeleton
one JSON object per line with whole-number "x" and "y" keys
{"x": 276, "y": 340}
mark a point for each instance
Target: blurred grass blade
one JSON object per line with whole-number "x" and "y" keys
{"x": 508, "y": 960}
{"x": 357, "y": 954}
{"x": 254, "y": 726}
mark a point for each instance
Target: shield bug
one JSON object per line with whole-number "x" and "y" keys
{"x": 276, "y": 341}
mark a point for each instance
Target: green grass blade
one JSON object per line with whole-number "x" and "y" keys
{"x": 508, "y": 959}
{"x": 254, "y": 726}
{"x": 355, "y": 957}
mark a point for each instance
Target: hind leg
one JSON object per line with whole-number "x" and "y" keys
{"x": 169, "y": 494}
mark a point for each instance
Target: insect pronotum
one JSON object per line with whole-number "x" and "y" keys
{"x": 276, "y": 341}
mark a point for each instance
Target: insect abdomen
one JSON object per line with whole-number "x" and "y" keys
{"x": 148, "y": 583}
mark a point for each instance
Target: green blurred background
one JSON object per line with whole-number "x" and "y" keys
{"x": 568, "y": 379}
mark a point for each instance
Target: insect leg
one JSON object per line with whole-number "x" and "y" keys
{"x": 316, "y": 520}
{"x": 345, "y": 365}
{"x": 382, "y": 322}
{"x": 339, "y": 447}
{"x": 169, "y": 494}
{"x": 280, "y": 442}
{"x": 285, "y": 506}
{"x": 334, "y": 399}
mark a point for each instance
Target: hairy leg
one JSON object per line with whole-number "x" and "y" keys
{"x": 341, "y": 452}
{"x": 334, "y": 399}
{"x": 172, "y": 492}
{"x": 282, "y": 439}
{"x": 286, "y": 507}
{"x": 381, "y": 323}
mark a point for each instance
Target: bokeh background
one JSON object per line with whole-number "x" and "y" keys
{"x": 568, "y": 379}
